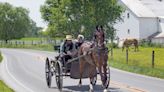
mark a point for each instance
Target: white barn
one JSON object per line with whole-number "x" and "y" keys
{"x": 142, "y": 19}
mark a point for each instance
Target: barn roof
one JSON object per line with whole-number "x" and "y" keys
{"x": 156, "y": 6}
{"x": 138, "y": 8}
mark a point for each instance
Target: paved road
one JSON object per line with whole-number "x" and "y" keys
{"x": 23, "y": 70}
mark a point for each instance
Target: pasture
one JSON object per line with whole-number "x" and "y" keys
{"x": 32, "y": 43}
{"x": 0, "y": 57}
{"x": 140, "y": 62}
{"x": 38, "y": 38}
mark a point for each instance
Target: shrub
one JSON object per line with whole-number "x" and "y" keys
{"x": 114, "y": 45}
{"x": 148, "y": 43}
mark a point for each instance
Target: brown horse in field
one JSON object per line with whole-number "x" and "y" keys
{"x": 128, "y": 42}
{"x": 97, "y": 56}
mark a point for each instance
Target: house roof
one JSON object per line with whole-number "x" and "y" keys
{"x": 138, "y": 8}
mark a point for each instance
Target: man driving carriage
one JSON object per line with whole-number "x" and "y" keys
{"x": 69, "y": 48}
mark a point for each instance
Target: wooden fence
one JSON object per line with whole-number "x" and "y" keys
{"x": 31, "y": 42}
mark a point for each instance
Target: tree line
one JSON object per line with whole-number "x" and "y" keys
{"x": 15, "y": 23}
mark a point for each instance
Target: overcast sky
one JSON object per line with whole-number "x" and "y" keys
{"x": 33, "y": 6}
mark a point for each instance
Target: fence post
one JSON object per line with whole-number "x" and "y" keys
{"x": 32, "y": 42}
{"x": 23, "y": 44}
{"x": 16, "y": 43}
{"x": 11, "y": 43}
{"x": 153, "y": 58}
{"x": 126, "y": 56}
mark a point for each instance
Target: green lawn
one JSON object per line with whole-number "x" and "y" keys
{"x": 0, "y": 57}
{"x": 140, "y": 62}
{"x": 32, "y": 39}
{"x": 38, "y": 39}
{"x": 31, "y": 43}
{"x": 47, "y": 47}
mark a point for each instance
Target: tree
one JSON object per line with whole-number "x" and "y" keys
{"x": 14, "y": 22}
{"x": 71, "y": 15}
{"x": 53, "y": 13}
{"x": 33, "y": 31}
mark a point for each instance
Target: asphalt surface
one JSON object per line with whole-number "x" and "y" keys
{"x": 24, "y": 71}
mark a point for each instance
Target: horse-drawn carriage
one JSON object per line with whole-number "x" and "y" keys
{"x": 57, "y": 68}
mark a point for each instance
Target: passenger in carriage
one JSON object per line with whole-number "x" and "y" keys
{"x": 79, "y": 41}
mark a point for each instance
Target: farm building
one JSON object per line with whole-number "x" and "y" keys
{"x": 142, "y": 19}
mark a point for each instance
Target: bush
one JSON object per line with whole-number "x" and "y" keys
{"x": 145, "y": 43}
{"x": 114, "y": 45}
{"x": 148, "y": 43}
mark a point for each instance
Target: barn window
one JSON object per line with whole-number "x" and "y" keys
{"x": 128, "y": 31}
{"x": 128, "y": 15}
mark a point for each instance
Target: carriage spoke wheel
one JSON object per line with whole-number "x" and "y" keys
{"x": 48, "y": 73}
{"x": 59, "y": 76}
{"x": 108, "y": 79}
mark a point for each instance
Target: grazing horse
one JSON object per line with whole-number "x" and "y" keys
{"x": 96, "y": 54}
{"x": 129, "y": 42}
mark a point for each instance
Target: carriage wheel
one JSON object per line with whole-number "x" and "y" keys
{"x": 48, "y": 73}
{"x": 59, "y": 75}
{"x": 108, "y": 79}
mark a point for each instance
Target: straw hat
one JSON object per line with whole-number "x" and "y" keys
{"x": 69, "y": 37}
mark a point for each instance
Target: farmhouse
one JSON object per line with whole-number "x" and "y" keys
{"x": 142, "y": 19}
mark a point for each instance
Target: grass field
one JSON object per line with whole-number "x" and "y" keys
{"x": 4, "y": 87}
{"x": 47, "y": 47}
{"x": 32, "y": 43}
{"x": 37, "y": 39}
{"x": 0, "y": 57}
{"x": 140, "y": 62}
{"x": 30, "y": 39}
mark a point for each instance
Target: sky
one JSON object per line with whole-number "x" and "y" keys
{"x": 34, "y": 8}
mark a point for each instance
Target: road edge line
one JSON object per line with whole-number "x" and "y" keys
{"x": 6, "y": 67}
{"x": 136, "y": 74}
